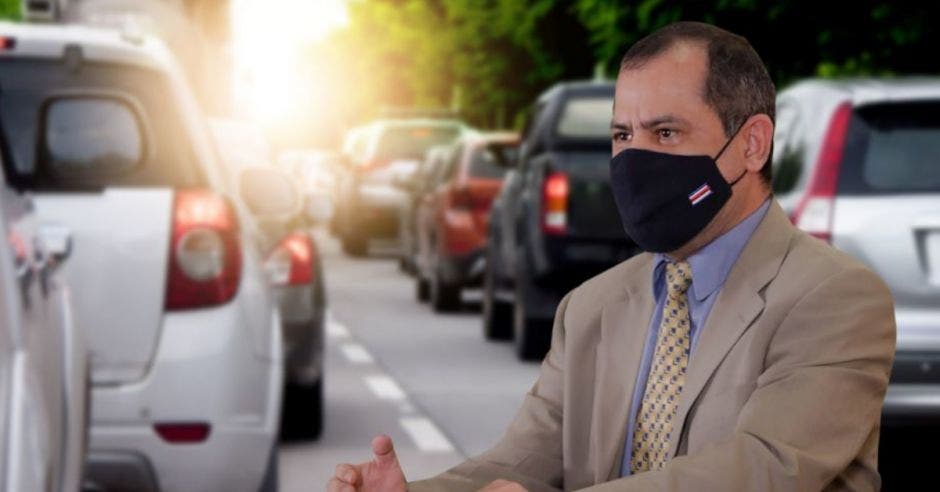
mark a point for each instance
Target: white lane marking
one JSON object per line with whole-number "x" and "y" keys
{"x": 385, "y": 387}
{"x": 336, "y": 330}
{"x": 426, "y": 436}
{"x": 357, "y": 354}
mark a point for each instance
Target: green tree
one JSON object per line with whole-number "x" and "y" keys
{"x": 487, "y": 57}
{"x": 10, "y": 9}
{"x": 796, "y": 38}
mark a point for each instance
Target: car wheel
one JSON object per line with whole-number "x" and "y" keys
{"x": 302, "y": 413}
{"x": 422, "y": 289}
{"x": 532, "y": 335}
{"x": 355, "y": 244}
{"x": 497, "y": 314}
{"x": 444, "y": 297}
{"x": 270, "y": 481}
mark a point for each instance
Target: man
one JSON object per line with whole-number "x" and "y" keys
{"x": 741, "y": 354}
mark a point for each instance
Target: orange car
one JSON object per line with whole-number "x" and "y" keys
{"x": 452, "y": 219}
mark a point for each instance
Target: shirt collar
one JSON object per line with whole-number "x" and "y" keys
{"x": 712, "y": 263}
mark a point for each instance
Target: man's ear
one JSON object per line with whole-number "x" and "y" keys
{"x": 759, "y": 138}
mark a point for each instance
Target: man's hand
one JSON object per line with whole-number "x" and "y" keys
{"x": 382, "y": 474}
{"x": 503, "y": 486}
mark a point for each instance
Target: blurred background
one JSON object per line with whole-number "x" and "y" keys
{"x": 376, "y": 206}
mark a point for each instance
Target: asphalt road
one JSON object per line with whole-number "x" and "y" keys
{"x": 430, "y": 381}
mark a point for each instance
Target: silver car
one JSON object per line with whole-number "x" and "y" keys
{"x": 855, "y": 164}
{"x": 43, "y": 358}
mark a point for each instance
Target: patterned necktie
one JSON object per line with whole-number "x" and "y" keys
{"x": 667, "y": 375}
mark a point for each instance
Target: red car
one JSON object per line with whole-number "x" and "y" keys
{"x": 452, "y": 219}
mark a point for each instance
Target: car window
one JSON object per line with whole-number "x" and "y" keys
{"x": 492, "y": 161}
{"x": 90, "y": 135}
{"x": 120, "y": 96}
{"x": 893, "y": 148}
{"x": 412, "y": 141}
{"x": 586, "y": 117}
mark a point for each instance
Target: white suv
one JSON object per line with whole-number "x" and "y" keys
{"x": 184, "y": 338}
{"x": 43, "y": 376}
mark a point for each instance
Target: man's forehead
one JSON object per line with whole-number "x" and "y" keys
{"x": 668, "y": 83}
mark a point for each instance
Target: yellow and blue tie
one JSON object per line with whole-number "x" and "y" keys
{"x": 654, "y": 422}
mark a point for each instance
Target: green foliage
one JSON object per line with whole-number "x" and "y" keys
{"x": 795, "y": 38}
{"x": 491, "y": 58}
{"x": 10, "y": 10}
{"x": 487, "y": 58}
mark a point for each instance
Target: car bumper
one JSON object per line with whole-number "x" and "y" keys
{"x": 377, "y": 210}
{"x": 912, "y": 404}
{"x": 202, "y": 372}
{"x": 464, "y": 270}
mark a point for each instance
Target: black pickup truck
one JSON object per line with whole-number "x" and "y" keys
{"x": 554, "y": 224}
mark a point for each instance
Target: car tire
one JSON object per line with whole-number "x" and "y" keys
{"x": 422, "y": 289}
{"x": 403, "y": 265}
{"x": 444, "y": 297}
{"x": 270, "y": 481}
{"x": 302, "y": 413}
{"x": 355, "y": 244}
{"x": 497, "y": 314}
{"x": 532, "y": 335}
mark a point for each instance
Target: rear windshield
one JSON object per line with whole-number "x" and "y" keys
{"x": 412, "y": 142}
{"x": 893, "y": 148}
{"x": 92, "y": 126}
{"x": 587, "y": 117}
{"x": 493, "y": 161}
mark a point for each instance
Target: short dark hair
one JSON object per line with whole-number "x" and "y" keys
{"x": 737, "y": 85}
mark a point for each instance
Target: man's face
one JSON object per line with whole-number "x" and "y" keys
{"x": 660, "y": 106}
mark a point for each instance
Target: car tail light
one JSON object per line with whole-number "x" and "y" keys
{"x": 183, "y": 432}
{"x": 555, "y": 191}
{"x": 291, "y": 263}
{"x": 205, "y": 255}
{"x": 814, "y": 212}
{"x": 7, "y": 43}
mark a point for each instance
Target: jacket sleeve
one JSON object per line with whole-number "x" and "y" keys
{"x": 530, "y": 452}
{"x": 816, "y": 406}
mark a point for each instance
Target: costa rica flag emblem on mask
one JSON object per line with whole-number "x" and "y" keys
{"x": 700, "y": 194}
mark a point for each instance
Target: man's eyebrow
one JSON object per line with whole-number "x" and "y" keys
{"x": 616, "y": 125}
{"x": 663, "y": 120}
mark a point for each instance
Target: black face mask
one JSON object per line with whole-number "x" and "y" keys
{"x": 664, "y": 200}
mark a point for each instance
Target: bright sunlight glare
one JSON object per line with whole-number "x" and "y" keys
{"x": 268, "y": 38}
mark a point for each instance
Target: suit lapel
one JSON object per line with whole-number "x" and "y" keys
{"x": 624, "y": 324}
{"x": 739, "y": 303}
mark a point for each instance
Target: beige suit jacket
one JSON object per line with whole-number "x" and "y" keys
{"x": 783, "y": 392}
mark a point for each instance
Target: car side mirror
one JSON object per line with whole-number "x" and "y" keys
{"x": 269, "y": 193}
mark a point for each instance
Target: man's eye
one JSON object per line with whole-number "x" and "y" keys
{"x": 621, "y": 137}
{"x": 666, "y": 132}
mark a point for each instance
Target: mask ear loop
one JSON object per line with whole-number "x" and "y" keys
{"x": 722, "y": 151}
{"x": 730, "y": 139}
{"x": 739, "y": 178}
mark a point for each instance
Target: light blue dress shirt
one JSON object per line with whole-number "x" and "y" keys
{"x": 710, "y": 267}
